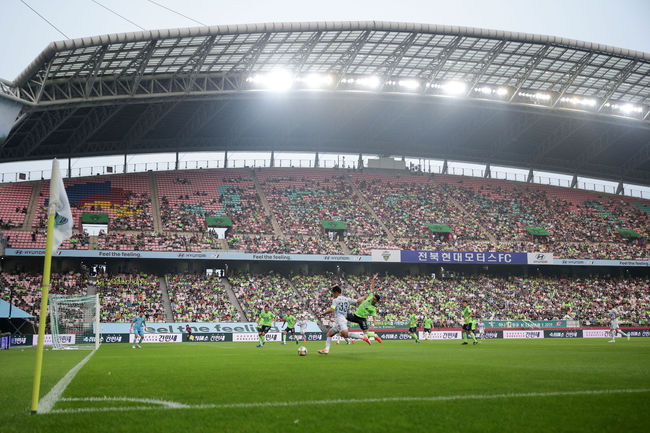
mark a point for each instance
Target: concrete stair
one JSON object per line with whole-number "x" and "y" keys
{"x": 362, "y": 199}
{"x": 460, "y": 207}
{"x": 155, "y": 203}
{"x": 345, "y": 248}
{"x": 33, "y": 203}
{"x": 260, "y": 192}
{"x": 167, "y": 305}
{"x": 233, "y": 299}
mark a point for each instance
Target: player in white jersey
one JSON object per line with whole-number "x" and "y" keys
{"x": 614, "y": 329}
{"x": 302, "y": 324}
{"x": 340, "y": 306}
{"x": 481, "y": 330}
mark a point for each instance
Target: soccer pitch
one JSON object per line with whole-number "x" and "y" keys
{"x": 499, "y": 385}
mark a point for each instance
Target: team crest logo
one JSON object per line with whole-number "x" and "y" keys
{"x": 60, "y": 220}
{"x": 385, "y": 255}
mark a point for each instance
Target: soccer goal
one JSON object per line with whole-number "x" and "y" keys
{"x": 75, "y": 322}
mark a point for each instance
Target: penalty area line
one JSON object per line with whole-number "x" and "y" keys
{"x": 46, "y": 404}
{"x": 173, "y": 406}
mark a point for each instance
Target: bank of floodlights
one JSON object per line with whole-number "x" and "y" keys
{"x": 282, "y": 80}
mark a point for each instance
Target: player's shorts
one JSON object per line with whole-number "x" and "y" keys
{"x": 264, "y": 329}
{"x": 414, "y": 329}
{"x": 138, "y": 331}
{"x": 340, "y": 324}
{"x": 290, "y": 330}
{"x": 427, "y": 329}
{"x": 468, "y": 327}
{"x": 362, "y": 321}
{"x": 614, "y": 324}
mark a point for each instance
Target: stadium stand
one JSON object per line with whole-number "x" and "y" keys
{"x": 531, "y": 298}
{"x": 301, "y": 198}
{"x": 24, "y": 289}
{"x": 14, "y": 200}
{"x": 125, "y": 198}
{"x": 197, "y": 298}
{"x": 124, "y": 295}
{"x": 37, "y": 239}
{"x": 481, "y": 214}
{"x": 254, "y": 291}
{"x": 187, "y": 197}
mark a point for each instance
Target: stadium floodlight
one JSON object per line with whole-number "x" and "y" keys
{"x": 574, "y": 100}
{"x": 539, "y": 96}
{"x": 629, "y": 108}
{"x": 279, "y": 80}
{"x": 409, "y": 84}
{"x": 370, "y": 82}
{"x": 454, "y": 87}
{"x": 317, "y": 81}
{"x": 502, "y": 91}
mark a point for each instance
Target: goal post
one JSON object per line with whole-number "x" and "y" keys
{"x": 74, "y": 321}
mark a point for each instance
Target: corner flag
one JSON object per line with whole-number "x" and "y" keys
{"x": 59, "y": 228}
{"x": 62, "y": 212}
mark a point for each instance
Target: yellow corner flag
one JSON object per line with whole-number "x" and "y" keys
{"x": 59, "y": 228}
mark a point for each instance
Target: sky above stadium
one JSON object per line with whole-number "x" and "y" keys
{"x": 620, "y": 23}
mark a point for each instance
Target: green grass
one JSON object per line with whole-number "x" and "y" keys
{"x": 222, "y": 373}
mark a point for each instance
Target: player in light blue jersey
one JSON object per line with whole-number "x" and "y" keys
{"x": 137, "y": 327}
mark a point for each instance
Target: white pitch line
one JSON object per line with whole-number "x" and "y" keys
{"x": 167, "y": 404}
{"x": 46, "y": 404}
{"x": 171, "y": 405}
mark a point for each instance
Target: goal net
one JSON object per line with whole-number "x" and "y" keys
{"x": 74, "y": 321}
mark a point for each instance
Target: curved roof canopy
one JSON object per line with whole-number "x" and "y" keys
{"x": 518, "y": 99}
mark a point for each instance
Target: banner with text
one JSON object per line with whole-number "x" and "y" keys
{"x": 206, "y": 255}
{"x": 463, "y": 257}
{"x": 159, "y": 338}
{"x": 545, "y": 324}
{"x": 198, "y": 327}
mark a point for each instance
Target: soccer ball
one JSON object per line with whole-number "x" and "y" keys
{"x": 302, "y": 351}
{"x": 192, "y": 337}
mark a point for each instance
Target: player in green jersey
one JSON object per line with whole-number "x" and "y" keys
{"x": 290, "y": 320}
{"x": 413, "y": 326}
{"x": 264, "y": 324}
{"x": 428, "y": 324}
{"x": 366, "y": 309}
{"x": 469, "y": 325}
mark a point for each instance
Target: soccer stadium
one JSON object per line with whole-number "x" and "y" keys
{"x": 361, "y": 225}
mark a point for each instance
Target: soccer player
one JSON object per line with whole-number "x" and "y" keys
{"x": 291, "y": 322}
{"x": 264, "y": 323}
{"x": 366, "y": 309}
{"x": 302, "y": 324}
{"x": 137, "y": 327}
{"x": 413, "y": 326}
{"x": 614, "y": 329}
{"x": 340, "y": 306}
{"x": 428, "y": 324}
{"x": 468, "y": 326}
{"x": 481, "y": 330}
{"x": 189, "y": 332}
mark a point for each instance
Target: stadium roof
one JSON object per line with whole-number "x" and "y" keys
{"x": 434, "y": 91}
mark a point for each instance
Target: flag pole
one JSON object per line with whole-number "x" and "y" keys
{"x": 54, "y": 196}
